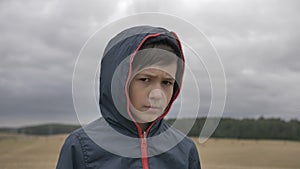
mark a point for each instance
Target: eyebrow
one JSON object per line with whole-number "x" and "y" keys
{"x": 152, "y": 75}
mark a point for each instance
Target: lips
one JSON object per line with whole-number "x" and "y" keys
{"x": 153, "y": 107}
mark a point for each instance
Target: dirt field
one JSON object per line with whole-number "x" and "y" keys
{"x": 249, "y": 154}
{"x": 32, "y": 152}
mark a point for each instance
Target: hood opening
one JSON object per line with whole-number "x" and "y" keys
{"x": 153, "y": 41}
{"x": 124, "y": 47}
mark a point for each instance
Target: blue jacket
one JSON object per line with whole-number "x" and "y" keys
{"x": 116, "y": 141}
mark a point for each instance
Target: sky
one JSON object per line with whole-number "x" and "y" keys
{"x": 257, "y": 41}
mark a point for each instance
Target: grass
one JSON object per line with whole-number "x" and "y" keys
{"x": 29, "y": 152}
{"x": 253, "y": 154}
{"x": 35, "y": 152}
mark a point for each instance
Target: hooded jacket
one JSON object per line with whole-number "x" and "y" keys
{"x": 116, "y": 140}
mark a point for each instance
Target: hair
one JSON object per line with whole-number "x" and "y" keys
{"x": 158, "y": 53}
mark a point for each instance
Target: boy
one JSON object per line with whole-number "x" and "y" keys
{"x": 140, "y": 78}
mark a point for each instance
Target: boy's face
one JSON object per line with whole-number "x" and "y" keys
{"x": 150, "y": 92}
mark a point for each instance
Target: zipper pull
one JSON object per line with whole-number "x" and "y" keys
{"x": 144, "y": 137}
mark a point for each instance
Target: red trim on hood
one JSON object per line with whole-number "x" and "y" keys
{"x": 129, "y": 76}
{"x": 177, "y": 92}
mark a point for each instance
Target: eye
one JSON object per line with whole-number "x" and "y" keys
{"x": 145, "y": 79}
{"x": 168, "y": 83}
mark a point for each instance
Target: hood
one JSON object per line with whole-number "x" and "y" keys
{"x": 116, "y": 71}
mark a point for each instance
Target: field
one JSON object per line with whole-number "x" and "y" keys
{"x": 36, "y": 152}
{"x": 249, "y": 154}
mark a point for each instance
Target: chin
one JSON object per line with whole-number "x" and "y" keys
{"x": 148, "y": 119}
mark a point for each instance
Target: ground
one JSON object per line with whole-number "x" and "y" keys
{"x": 36, "y": 152}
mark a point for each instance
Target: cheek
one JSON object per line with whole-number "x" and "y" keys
{"x": 169, "y": 94}
{"x": 137, "y": 98}
{"x": 136, "y": 95}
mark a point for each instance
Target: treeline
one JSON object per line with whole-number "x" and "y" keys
{"x": 247, "y": 128}
{"x": 228, "y": 128}
{"x": 46, "y": 129}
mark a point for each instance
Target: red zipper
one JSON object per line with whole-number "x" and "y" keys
{"x": 144, "y": 151}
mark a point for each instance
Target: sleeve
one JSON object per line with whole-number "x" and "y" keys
{"x": 71, "y": 155}
{"x": 194, "y": 161}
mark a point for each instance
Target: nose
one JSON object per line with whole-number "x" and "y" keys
{"x": 156, "y": 94}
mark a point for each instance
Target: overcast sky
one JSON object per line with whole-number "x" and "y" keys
{"x": 258, "y": 43}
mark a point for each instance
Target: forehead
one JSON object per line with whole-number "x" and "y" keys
{"x": 167, "y": 71}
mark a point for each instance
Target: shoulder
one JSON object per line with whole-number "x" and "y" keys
{"x": 72, "y": 154}
{"x": 188, "y": 143}
{"x": 185, "y": 142}
{"x": 187, "y": 147}
{"x": 73, "y": 143}
{"x": 191, "y": 151}
{"x": 74, "y": 137}
{"x": 79, "y": 140}
{"x": 80, "y": 136}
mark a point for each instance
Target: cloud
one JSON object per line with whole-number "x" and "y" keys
{"x": 257, "y": 42}
{"x": 40, "y": 40}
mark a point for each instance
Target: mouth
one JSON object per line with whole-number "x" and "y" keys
{"x": 155, "y": 108}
